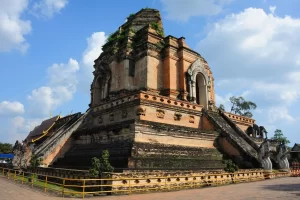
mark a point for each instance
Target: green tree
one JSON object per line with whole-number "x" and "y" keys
{"x": 222, "y": 107}
{"x": 278, "y": 135}
{"x": 242, "y": 107}
{"x": 5, "y": 148}
{"x": 101, "y": 165}
{"x": 35, "y": 161}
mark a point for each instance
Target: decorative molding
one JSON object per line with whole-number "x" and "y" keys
{"x": 160, "y": 113}
{"x": 111, "y": 117}
{"x": 177, "y": 116}
{"x": 212, "y": 106}
{"x": 140, "y": 111}
{"x": 192, "y": 119}
{"x": 100, "y": 119}
{"x": 124, "y": 113}
{"x": 195, "y": 68}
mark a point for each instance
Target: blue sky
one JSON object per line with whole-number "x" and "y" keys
{"x": 47, "y": 48}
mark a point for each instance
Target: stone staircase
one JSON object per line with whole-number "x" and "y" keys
{"x": 53, "y": 145}
{"x": 233, "y": 133}
{"x": 80, "y": 155}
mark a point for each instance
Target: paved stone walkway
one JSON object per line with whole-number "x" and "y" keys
{"x": 283, "y": 188}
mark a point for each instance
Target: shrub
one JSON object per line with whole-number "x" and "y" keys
{"x": 230, "y": 166}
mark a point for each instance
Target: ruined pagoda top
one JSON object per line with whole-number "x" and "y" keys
{"x": 124, "y": 42}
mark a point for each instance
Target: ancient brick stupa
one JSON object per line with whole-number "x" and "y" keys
{"x": 153, "y": 107}
{"x": 146, "y": 102}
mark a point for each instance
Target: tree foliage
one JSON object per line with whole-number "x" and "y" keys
{"x": 278, "y": 135}
{"x": 242, "y": 107}
{"x": 5, "y": 148}
{"x": 101, "y": 165}
{"x": 35, "y": 161}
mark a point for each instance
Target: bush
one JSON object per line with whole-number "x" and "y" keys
{"x": 101, "y": 165}
{"x": 230, "y": 166}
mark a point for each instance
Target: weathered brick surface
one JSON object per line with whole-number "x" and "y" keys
{"x": 283, "y": 188}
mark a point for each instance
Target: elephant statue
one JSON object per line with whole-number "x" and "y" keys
{"x": 256, "y": 130}
{"x": 262, "y": 132}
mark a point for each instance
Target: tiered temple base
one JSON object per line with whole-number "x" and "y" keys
{"x": 139, "y": 134}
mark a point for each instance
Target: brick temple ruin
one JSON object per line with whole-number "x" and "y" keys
{"x": 153, "y": 107}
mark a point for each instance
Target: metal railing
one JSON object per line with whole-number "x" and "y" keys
{"x": 77, "y": 187}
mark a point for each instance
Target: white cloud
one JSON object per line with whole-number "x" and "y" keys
{"x": 267, "y": 43}
{"x": 62, "y": 81}
{"x": 47, "y": 8}
{"x": 91, "y": 53}
{"x": 94, "y": 48}
{"x": 62, "y": 84}
{"x": 12, "y": 27}
{"x": 280, "y": 113}
{"x": 260, "y": 53}
{"x": 182, "y": 10}
{"x": 272, "y": 9}
{"x": 19, "y": 127}
{"x": 63, "y": 74}
{"x": 11, "y": 108}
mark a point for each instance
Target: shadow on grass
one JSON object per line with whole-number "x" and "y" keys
{"x": 292, "y": 188}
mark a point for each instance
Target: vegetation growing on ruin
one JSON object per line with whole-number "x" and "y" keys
{"x": 119, "y": 38}
{"x": 160, "y": 45}
{"x": 130, "y": 16}
{"x": 158, "y": 29}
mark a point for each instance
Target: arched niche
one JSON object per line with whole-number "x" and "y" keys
{"x": 100, "y": 88}
{"x": 198, "y": 83}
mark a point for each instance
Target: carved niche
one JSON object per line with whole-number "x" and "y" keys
{"x": 100, "y": 119}
{"x": 140, "y": 111}
{"x": 100, "y": 87}
{"x": 192, "y": 119}
{"x": 88, "y": 119}
{"x": 111, "y": 117}
{"x": 177, "y": 116}
{"x": 196, "y": 68}
{"x": 160, "y": 113}
{"x": 124, "y": 113}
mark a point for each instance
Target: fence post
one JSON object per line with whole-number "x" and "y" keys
{"x": 165, "y": 183}
{"x": 8, "y": 174}
{"x": 23, "y": 178}
{"x": 129, "y": 187}
{"x": 193, "y": 181}
{"x": 83, "y": 188}
{"x": 2, "y": 171}
{"x": 45, "y": 184}
{"x": 63, "y": 188}
{"x": 15, "y": 175}
{"x": 32, "y": 177}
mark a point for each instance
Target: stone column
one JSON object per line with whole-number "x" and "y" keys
{"x": 193, "y": 91}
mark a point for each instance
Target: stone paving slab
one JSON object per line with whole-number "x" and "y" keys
{"x": 282, "y": 188}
